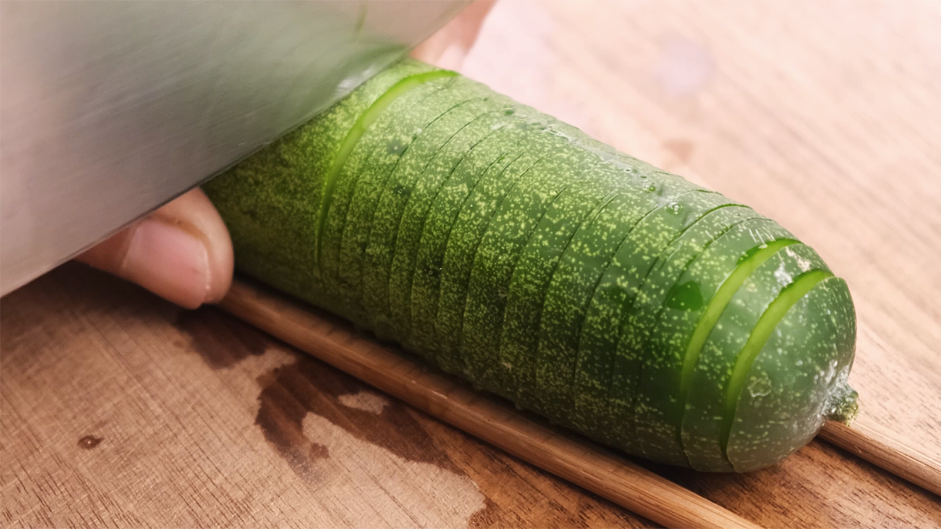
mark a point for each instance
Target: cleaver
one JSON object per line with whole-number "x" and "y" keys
{"x": 110, "y": 109}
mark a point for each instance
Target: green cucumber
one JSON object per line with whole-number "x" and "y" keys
{"x": 516, "y": 252}
{"x": 655, "y": 433}
{"x": 394, "y": 198}
{"x": 702, "y": 419}
{"x": 487, "y": 354}
{"x": 422, "y": 198}
{"x": 797, "y": 380}
{"x": 429, "y": 261}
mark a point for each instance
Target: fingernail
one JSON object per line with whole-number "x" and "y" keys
{"x": 169, "y": 261}
{"x": 452, "y": 57}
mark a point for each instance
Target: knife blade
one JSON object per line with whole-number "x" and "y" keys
{"x": 108, "y": 110}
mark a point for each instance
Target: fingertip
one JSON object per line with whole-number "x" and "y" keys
{"x": 182, "y": 252}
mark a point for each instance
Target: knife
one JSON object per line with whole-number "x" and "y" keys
{"x": 108, "y": 110}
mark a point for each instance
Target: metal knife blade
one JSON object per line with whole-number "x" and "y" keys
{"x": 110, "y": 109}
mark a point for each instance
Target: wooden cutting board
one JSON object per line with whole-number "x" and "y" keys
{"x": 118, "y": 409}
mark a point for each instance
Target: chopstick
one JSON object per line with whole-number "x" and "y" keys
{"x": 887, "y": 453}
{"x": 592, "y": 468}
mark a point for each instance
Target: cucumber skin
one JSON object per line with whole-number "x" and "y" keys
{"x": 382, "y": 147}
{"x": 436, "y": 234}
{"x": 436, "y": 174}
{"x": 655, "y": 434}
{"x": 270, "y": 203}
{"x": 725, "y": 341}
{"x": 803, "y": 390}
{"x": 380, "y": 249}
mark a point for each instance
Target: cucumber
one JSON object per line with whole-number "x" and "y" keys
{"x": 704, "y": 414}
{"x": 514, "y": 251}
{"x": 394, "y": 198}
{"x": 436, "y": 174}
{"x": 508, "y": 128}
{"x": 382, "y": 147}
{"x": 655, "y": 428}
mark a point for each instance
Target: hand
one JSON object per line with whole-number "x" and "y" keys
{"x": 183, "y": 253}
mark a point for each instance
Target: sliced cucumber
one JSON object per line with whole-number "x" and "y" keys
{"x": 660, "y": 368}
{"x": 424, "y": 193}
{"x": 797, "y": 380}
{"x": 392, "y": 203}
{"x": 466, "y": 236}
{"x": 429, "y": 261}
{"x": 702, "y": 420}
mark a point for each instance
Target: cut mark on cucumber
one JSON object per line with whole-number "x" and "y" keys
{"x": 444, "y": 184}
{"x": 713, "y": 312}
{"x": 756, "y": 342}
{"x": 359, "y": 128}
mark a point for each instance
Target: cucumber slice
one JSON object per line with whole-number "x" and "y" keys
{"x": 497, "y": 257}
{"x": 798, "y": 380}
{"x": 357, "y": 190}
{"x": 702, "y": 419}
{"x": 429, "y": 262}
{"x": 391, "y": 207}
{"x": 573, "y": 284}
{"x": 656, "y": 390}
{"x": 420, "y": 203}
{"x": 532, "y": 277}
{"x": 466, "y": 236}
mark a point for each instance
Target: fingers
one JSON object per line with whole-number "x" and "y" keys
{"x": 181, "y": 252}
{"x": 448, "y": 47}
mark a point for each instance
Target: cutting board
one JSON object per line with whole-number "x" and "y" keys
{"x": 118, "y": 409}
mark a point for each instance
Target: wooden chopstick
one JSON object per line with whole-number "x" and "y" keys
{"x": 594, "y": 469}
{"x": 887, "y": 453}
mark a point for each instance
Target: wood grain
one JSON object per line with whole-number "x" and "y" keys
{"x": 498, "y": 423}
{"x": 823, "y": 115}
{"x": 888, "y": 452}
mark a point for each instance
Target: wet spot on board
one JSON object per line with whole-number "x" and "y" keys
{"x": 405, "y": 491}
{"x": 89, "y": 442}
{"x": 221, "y": 340}
{"x": 682, "y": 149}
{"x": 307, "y": 385}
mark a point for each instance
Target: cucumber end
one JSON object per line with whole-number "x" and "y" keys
{"x": 843, "y": 404}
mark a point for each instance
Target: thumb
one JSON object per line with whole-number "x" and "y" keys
{"x": 181, "y": 252}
